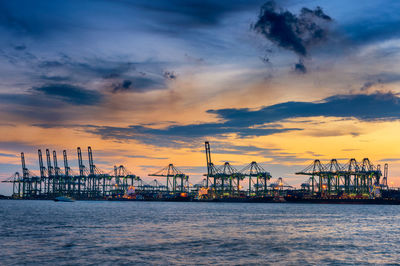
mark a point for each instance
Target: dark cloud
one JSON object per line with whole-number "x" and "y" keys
{"x": 8, "y": 155}
{"x": 247, "y": 123}
{"x": 300, "y": 68}
{"x": 68, "y": 93}
{"x": 61, "y": 67}
{"x": 379, "y": 79}
{"x": 119, "y": 75}
{"x": 124, "y": 86}
{"x": 293, "y": 32}
{"x": 169, "y": 75}
{"x": 175, "y": 134}
{"x": 289, "y": 31}
{"x": 55, "y": 125}
{"x": 361, "y": 106}
{"x": 368, "y": 85}
{"x": 20, "y": 47}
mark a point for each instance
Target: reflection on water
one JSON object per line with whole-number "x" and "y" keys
{"x": 46, "y": 232}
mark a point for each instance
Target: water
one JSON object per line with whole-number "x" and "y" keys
{"x": 105, "y": 233}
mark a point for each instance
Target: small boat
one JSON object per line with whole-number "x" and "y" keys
{"x": 64, "y": 199}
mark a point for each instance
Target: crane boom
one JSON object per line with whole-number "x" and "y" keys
{"x": 41, "y": 166}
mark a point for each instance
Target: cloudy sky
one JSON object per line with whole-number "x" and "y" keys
{"x": 145, "y": 83}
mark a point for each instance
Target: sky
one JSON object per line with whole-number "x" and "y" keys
{"x": 145, "y": 83}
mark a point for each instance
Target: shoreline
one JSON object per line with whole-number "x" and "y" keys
{"x": 248, "y": 200}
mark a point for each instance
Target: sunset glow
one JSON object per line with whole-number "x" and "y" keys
{"x": 145, "y": 83}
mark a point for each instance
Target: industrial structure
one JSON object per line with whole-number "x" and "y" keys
{"x": 332, "y": 180}
{"x": 352, "y": 177}
{"x": 176, "y": 180}
{"x": 226, "y": 180}
{"x": 88, "y": 183}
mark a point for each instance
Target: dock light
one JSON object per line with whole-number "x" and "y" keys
{"x": 203, "y": 191}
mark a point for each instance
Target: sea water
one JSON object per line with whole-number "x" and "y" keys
{"x": 146, "y": 233}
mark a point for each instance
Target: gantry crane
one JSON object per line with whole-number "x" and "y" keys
{"x": 177, "y": 181}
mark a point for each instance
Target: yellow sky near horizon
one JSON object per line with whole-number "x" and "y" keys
{"x": 322, "y": 138}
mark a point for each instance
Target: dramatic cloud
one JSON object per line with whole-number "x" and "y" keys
{"x": 292, "y": 32}
{"x": 374, "y": 106}
{"x": 125, "y": 66}
{"x": 247, "y": 123}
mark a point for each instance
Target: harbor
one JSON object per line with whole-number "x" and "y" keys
{"x": 349, "y": 183}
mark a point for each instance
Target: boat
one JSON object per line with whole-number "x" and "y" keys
{"x": 64, "y": 199}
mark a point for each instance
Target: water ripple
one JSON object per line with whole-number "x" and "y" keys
{"x": 148, "y": 233}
